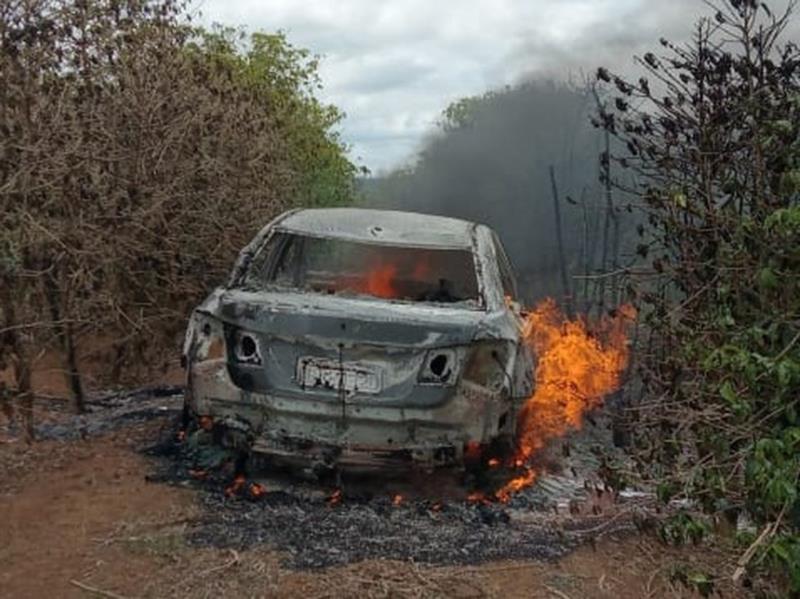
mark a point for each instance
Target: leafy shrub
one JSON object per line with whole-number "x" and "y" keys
{"x": 137, "y": 155}
{"x": 716, "y": 155}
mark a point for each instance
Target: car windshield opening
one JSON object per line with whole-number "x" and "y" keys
{"x": 344, "y": 267}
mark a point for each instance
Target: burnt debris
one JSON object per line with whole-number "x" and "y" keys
{"x": 317, "y": 524}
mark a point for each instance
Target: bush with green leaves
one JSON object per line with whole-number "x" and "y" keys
{"x": 711, "y": 133}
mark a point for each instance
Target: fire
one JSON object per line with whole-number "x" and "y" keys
{"x": 397, "y": 499}
{"x": 236, "y": 486}
{"x": 493, "y": 463}
{"x": 575, "y": 370}
{"x": 515, "y": 484}
{"x": 335, "y": 497}
{"x": 257, "y": 490}
{"x": 254, "y": 490}
{"x": 478, "y": 497}
{"x": 380, "y": 282}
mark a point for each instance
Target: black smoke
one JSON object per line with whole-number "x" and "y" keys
{"x": 494, "y": 168}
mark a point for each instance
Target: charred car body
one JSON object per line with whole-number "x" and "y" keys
{"x": 349, "y": 336}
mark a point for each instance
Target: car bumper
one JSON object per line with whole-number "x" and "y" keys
{"x": 352, "y": 433}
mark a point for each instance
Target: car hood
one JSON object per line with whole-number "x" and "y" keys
{"x": 345, "y": 320}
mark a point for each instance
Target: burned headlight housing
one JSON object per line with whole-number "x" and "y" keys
{"x": 487, "y": 364}
{"x": 244, "y": 346}
{"x": 204, "y": 339}
{"x": 440, "y": 367}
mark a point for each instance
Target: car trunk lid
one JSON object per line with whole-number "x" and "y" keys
{"x": 343, "y": 349}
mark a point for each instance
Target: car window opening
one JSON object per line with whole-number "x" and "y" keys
{"x": 344, "y": 267}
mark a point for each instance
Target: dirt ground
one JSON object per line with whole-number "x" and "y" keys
{"x": 78, "y": 519}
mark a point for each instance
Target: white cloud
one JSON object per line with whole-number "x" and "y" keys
{"x": 393, "y": 66}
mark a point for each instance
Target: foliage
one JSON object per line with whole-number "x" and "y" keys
{"x": 712, "y": 133}
{"x": 682, "y": 528}
{"x": 784, "y": 552}
{"x": 285, "y": 79}
{"x": 462, "y": 113}
{"x": 699, "y": 582}
{"x": 137, "y": 155}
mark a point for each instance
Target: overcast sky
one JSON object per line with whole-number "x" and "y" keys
{"x": 393, "y": 66}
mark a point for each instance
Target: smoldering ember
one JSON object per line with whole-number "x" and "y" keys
{"x": 548, "y": 347}
{"x": 425, "y": 517}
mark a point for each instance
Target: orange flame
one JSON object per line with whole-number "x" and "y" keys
{"x": 381, "y": 279}
{"x": 335, "y": 497}
{"x": 257, "y": 490}
{"x": 478, "y": 497}
{"x": 236, "y": 486}
{"x": 380, "y": 282}
{"x": 493, "y": 463}
{"x": 503, "y": 494}
{"x": 575, "y": 370}
{"x": 397, "y": 499}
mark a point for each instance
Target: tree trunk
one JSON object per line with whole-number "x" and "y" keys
{"x": 562, "y": 261}
{"x": 609, "y": 218}
{"x": 24, "y": 392}
{"x": 586, "y": 255}
{"x": 66, "y": 340}
{"x": 21, "y": 368}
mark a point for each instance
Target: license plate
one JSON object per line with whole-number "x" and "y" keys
{"x": 313, "y": 373}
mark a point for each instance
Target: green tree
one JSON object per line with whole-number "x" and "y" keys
{"x": 711, "y": 132}
{"x": 462, "y": 113}
{"x": 286, "y": 79}
{"x": 137, "y": 156}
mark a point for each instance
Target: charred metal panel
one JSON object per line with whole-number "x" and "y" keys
{"x": 292, "y": 315}
{"x": 473, "y": 414}
{"x": 388, "y": 227}
{"x": 334, "y": 376}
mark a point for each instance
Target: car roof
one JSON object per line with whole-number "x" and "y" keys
{"x": 390, "y": 227}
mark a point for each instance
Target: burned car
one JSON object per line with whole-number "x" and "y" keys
{"x": 350, "y": 336}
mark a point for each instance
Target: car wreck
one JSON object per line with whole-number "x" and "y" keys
{"x": 356, "y": 337}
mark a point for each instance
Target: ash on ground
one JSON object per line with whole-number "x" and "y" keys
{"x": 105, "y": 413}
{"x": 427, "y": 518}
